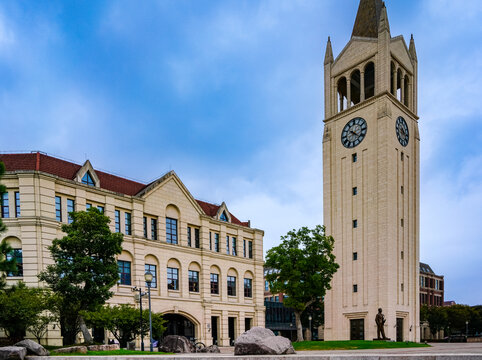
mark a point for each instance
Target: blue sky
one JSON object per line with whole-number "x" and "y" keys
{"x": 229, "y": 95}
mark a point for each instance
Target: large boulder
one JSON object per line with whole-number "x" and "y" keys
{"x": 71, "y": 350}
{"x": 103, "y": 347}
{"x": 12, "y": 353}
{"x": 33, "y": 348}
{"x": 261, "y": 341}
{"x": 176, "y": 344}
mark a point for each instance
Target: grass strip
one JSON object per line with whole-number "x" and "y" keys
{"x": 354, "y": 345}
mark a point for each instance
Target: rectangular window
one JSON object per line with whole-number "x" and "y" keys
{"x": 244, "y": 248}
{"x": 276, "y": 298}
{"x": 355, "y": 190}
{"x": 355, "y": 224}
{"x": 17, "y": 254}
{"x": 231, "y": 285}
{"x": 216, "y": 242}
{"x": 100, "y": 208}
{"x": 124, "y": 272}
{"x": 196, "y": 238}
{"x": 70, "y": 208}
{"x": 189, "y": 236}
{"x": 401, "y": 156}
{"x": 210, "y": 240}
{"x": 58, "y": 208}
{"x": 401, "y": 189}
{"x": 266, "y": 285}
{"x": 233, "y": 246}
{"x": 214, "y": 284}
{"x": 355, "y": 288}
{"x": 171, "y": 231}
{"x": 117, "y": 221}
{"x": 153, "y": 270}
{"x": 128, "y": 223}
{"x": 5, "y": 209}
{"x": 250, "y": 249}
{"x": 401, "y": 222}
{"x": 193, "y": 281}
{"x": 354, "y": 157}
{"x": 172, "y": 278}
{"x": 401, "y": 287}
{"x": 88, "y": 206}
{"x": 144, "y": 223}
{"x": 227, "y": 245}
{"x": 154, "y": 229}
{"x": 401, "y": 255}
{"x": 248, "y": 288}
{"x": 355, "y": 256}
{"x": 17, "y": 204}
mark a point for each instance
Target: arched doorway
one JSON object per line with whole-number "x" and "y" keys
{"x": 177, "y": 324}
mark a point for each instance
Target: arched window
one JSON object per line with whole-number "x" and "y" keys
{"x": 406, "y": 90}
{"x": 392, "y": 79}
{"x": 399, "y": 84}
{"x": 369, "y": 80}
{"x": 342, "y": 94}
{"x": 355, "y": 87}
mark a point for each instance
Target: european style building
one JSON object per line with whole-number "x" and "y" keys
{"x": 207, "y": 264}
{"x": 371, "y": 172}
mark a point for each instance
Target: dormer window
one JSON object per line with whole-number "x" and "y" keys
{"x": 87, "y": 179}
{"x": 223, "y": 216}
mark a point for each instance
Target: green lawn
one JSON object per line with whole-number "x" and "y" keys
{"x": 353, "y": 345}
{"x": 113, "y": 352}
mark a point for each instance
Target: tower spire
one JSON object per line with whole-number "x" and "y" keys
{"x": 367, "y": 18}
{"x": 383, "y": 24}
{"x": 328, "y": 53}
{"x": 411, "y": 49}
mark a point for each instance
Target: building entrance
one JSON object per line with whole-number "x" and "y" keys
{"x": 179, "y": 325}
{"x": 399, "y": 329}
{"x": 357, "y": 329}
{"x": 231, "y": 330}
{"x": 214, "y": 329}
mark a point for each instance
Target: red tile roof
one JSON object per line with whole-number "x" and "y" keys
{"x": 38, "y": 161}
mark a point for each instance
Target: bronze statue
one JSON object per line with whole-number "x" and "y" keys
{"x": 380, "y": 320}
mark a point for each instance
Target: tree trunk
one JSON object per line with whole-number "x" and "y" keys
{"x": 299, "y": 327}
{"x": 87, "y": 337}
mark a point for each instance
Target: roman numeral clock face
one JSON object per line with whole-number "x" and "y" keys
{"x": 354, "y": 132}
{"x": 402, "y": 131}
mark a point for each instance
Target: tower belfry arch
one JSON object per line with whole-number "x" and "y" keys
{"x": 371, "y": 178}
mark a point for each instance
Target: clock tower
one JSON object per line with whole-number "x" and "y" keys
{"x": 371, "y": 181}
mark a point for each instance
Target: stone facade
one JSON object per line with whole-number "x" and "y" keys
{"x": 48, "y": 187}
{"x": 371, "y": 186}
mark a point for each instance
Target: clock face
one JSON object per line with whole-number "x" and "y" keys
{"x": 354, "y": 132}
{"x": 402, "y": 131}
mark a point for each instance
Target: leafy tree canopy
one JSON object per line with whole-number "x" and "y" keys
{"x": 20, "y": 306}
{"x": 6, "y": 264}
{"x": 123, "y": 321}
{"x": 84, "y": 269}
{"x": 301, "y": 267}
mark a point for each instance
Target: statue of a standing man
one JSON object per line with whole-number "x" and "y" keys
{"x": 380, "y": 320}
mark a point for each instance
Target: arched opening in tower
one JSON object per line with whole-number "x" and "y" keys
{"x": 369, "y": 80}
{"x": 342, "y": 94}
{"x": 355, "y": 87}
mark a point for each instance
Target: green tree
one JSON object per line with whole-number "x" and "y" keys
{"x": 84, "y": 269}
{"x": 437, "y": 318}
{"x": 302, "y": 268}
{"x": 41, "y": 324}
{"x": 457, "y": 315}
{"x": 20, "y": 307}
{"x": 124, "y": 323}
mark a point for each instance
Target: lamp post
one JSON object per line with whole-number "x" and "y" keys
{"x": 309, "y": 325}
{"x": 148, "y": 277}
{"x": 467, "y": 328}
{"x": 139, "y": 297}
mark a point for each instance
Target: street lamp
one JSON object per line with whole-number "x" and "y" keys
{"x": 309, "y": 321}
{"x": 467, "y": 328}
{"x": 138, "y": 297}
{"x": 148, "y": 277}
